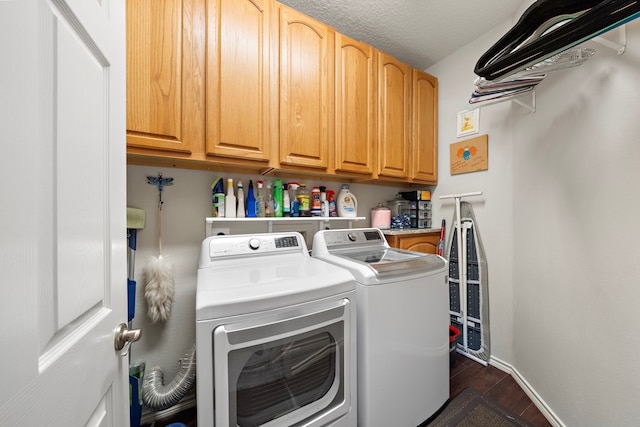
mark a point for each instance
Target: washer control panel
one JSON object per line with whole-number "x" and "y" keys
{"x": 352, "y": 237}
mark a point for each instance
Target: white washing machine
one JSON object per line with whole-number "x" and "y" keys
{"x": 275, "y": 335}
{"x": 403, "y": 326}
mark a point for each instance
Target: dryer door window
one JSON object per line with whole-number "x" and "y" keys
{"x": 287, "y": 371}
{"x": 278, "y": 380}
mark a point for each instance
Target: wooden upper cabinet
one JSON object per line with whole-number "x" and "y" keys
{"x": 306, "y": 87}
{"x": 255, "y": 86}
{"x": 238, "y": 79}
{"x": 355, "y": 106}
{"x": 424, "y": 143}
{"x": 394, "y": 83}
{"x": 165, "y": 75}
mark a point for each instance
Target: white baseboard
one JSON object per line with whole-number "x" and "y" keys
{"x": 535, "y": 397}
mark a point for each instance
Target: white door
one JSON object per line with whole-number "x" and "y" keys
{"x": 62, "y": 213}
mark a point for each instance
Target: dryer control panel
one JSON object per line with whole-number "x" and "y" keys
{"x": 250, "y": 245}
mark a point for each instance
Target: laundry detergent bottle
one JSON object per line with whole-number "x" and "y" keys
{"x": 347, "y": 203}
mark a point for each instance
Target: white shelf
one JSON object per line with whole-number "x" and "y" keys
{"x": 211, "y": 220}
{"x": 309, "y": 223}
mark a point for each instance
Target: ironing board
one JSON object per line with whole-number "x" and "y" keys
{"x": 468, "y": 276}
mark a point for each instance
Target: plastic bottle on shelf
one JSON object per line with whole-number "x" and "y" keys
{"x": 240, "y": 211}
{"x": 294, "y": 209}
{"x": 277, "y": 197}
{"x": 347, "y": 203}
{"x": 220, "y": 204}
{"x": 332, "y": 203}
{"x": 217, "y": 192}
{"x": 251, "y": 201}
{"x": 230, "y": 200}
{"x": 269, "y": 202}
{"x": 286, "y": 201}
{"x": 324, "y": 203}
{"x": 259, "y": 200}
{"x": 316, "y": 204}
{"x": 304, "y": 200}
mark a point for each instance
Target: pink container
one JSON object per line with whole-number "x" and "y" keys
{"x": 381, "y": 217}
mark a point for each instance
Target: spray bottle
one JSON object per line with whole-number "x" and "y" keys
{"x": 217, "y": 197}
{"x": 277, "y": 196}
{"x": 286, "y": 200}
{"x": 269, "y": 202}
{"x": 240, "y": 211}
{"x": 251, "y": 201}
{"x": 230, "y": 200}
{"x": 260, "y": 200}
{"x": 332, "y": 203}
{"x": 294, "y": 209}
{"x": 324, "y": 203}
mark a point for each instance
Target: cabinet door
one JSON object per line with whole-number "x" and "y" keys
{"x": 393, "y": 117}
{"x": 355, "y": 114}
{"x": 238, "y": 71}
{"x": 306, "y": 87}
{"x": 424, "y": 143}
{"x": 165, "y": 75}
{"x": 426, "y": 243}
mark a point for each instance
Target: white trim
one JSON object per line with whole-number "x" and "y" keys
{"x": 535, "y": 397}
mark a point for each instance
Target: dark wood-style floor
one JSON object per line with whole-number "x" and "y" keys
{"x": 493, "y": 383}
{"x": 490, "y": 381}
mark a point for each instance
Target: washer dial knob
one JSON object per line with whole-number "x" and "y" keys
{"x": 254, "y": 244}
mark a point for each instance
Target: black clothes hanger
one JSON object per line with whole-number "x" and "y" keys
{"x": 539, "y": 15}
{"x": 537, "y": 36}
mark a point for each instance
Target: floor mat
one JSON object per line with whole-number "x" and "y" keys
{"x": 472, "y": 409}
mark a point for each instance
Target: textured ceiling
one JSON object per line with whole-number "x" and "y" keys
{"x": 417, "y": 32}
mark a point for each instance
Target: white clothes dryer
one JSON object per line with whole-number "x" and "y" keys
{"x": 275, "y": 335}
{"x": 403, "y": 326}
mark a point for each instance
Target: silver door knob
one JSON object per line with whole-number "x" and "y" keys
{"x": 124, "y": 337}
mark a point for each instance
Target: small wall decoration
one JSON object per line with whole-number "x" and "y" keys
{"x": 468, "y": 122}
{"x": 469, "y": 155}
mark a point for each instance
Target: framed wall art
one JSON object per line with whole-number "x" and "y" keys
{"x": 470, "y": 155}
{"x": 468, "y": 122}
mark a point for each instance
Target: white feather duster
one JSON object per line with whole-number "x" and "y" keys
{"x": 158, "y": 273}
{"x": 159, "y": 289}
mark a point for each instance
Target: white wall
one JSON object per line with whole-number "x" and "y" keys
{"x": 186, "y": 205}
{"x": 558, "y": 222}
{"x": 494, "y": 209}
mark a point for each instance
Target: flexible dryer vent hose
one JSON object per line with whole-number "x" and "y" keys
{"x": 157, "y": 396}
